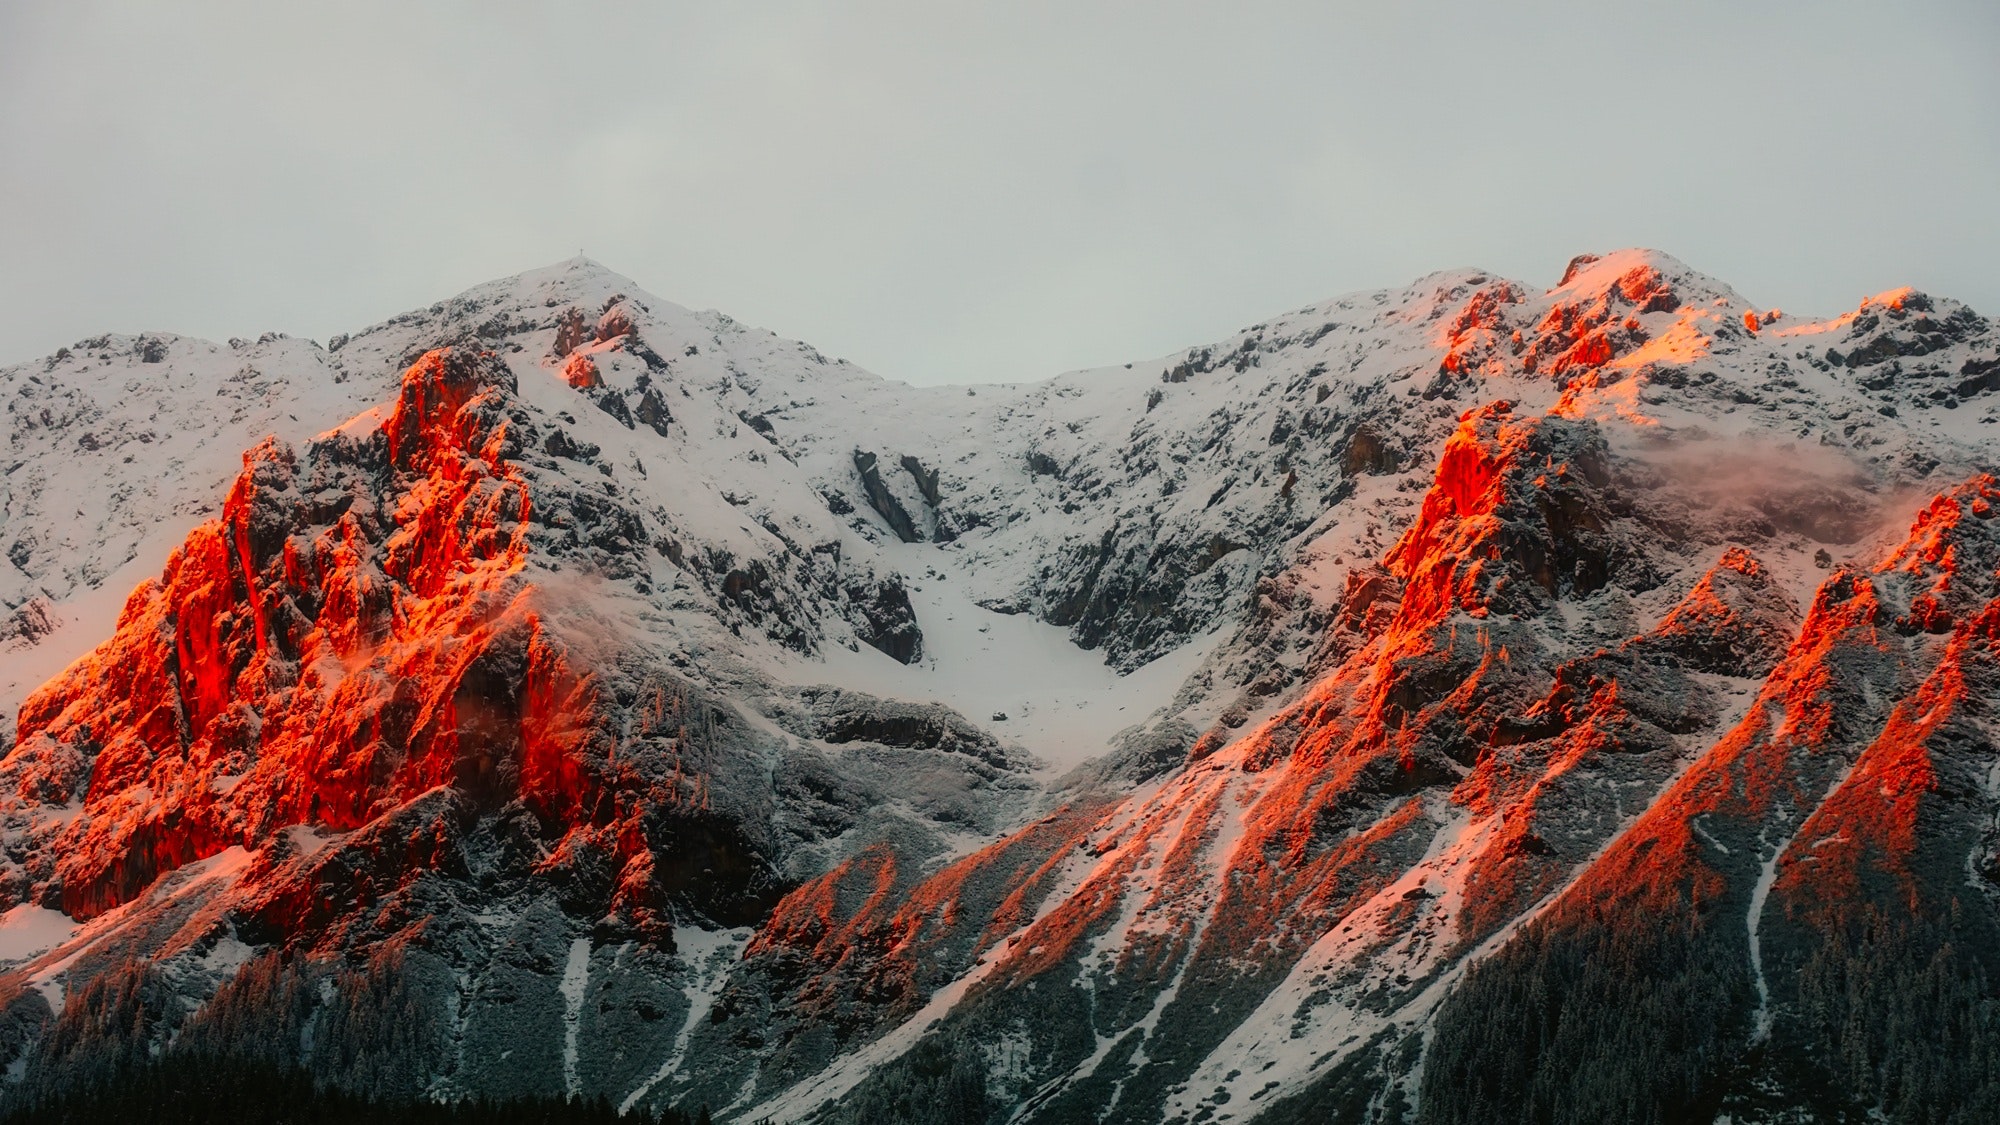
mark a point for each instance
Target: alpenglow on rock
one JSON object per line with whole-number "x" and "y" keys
{"x": 1460, "y": 702}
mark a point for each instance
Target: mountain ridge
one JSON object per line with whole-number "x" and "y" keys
{"x": 1340, "y": 666}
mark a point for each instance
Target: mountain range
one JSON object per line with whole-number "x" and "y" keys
{"x": 1464, "y": 702}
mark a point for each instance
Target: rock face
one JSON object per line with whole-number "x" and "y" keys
{"x": 1544, "y": 706}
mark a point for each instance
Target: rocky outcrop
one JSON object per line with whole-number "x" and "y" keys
{"x": 31, "y": 622}
{"x": 882, "y": 500}
{"x": 841, "y": 717}
{"x": 355, "y": 631}
{"x": 882, "y": 618}
{"x": 1750, "y": 877}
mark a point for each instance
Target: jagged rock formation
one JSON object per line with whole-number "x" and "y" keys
{"x": 1498, "y": 706}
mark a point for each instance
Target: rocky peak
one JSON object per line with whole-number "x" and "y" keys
{"x": 1736, "y": 621}
{"x": 1951, "y": 557}
{"x": 1517, "y": 499}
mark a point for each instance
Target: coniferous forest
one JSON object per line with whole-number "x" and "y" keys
{"x": 223, "y": 1090}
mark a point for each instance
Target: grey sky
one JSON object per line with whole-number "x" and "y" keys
{"x": 945, "y": 192}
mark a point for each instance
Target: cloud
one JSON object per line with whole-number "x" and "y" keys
{"x": 1750, "y": 489}
{"x": 945, "y": 192}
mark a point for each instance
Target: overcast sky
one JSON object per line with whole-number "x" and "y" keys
{"x": 946, "y": 192}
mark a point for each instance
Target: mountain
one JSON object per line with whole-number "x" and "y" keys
{"x": 1458, "y": 702}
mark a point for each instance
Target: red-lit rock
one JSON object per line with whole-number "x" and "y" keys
{"x": 352, "y": 632}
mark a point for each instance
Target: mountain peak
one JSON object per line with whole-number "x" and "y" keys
{"x": 1633, "y": 269}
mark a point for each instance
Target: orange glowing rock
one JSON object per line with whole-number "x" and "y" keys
{"x": 581, "y": 372}
{"x": 1440, "y": 559}
{"x": 1870, "y": 822}
{"x": 1932, "y": 554}
{"x": 271, "y": 677}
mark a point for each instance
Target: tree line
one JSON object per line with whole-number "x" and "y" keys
{"x": 233, "y": 1090}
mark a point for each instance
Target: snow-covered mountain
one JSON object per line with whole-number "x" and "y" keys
{"x": 1459, "y": 702}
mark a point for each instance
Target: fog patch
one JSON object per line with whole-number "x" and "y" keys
{"x": 1750, "y": 489}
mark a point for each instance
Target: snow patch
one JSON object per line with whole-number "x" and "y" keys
{"x": 26, "y": 931}
{"x": 708, "y": 955}
{"x": 576, "y": 975}
{"x": 1061, "y": 703}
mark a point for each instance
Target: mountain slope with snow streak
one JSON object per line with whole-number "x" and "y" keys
{"x": 1452, "y": 702}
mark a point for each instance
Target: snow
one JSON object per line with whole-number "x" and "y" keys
{"x": 227, "y": 955}
{"x": 576, "y": 976}
{"x": 1701, "y": 831}
{"x": 708, "y": 955}
{"x": 1062, "y": 703}
{"x": 27, "y": 930}
{"x": 1320, "y": 1014}
{"x": 1760, "y": 893}
{"x": 48, "y": 977}
{"x": 309, "y": 840}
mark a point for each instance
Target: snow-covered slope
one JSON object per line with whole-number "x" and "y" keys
{"x": 659, "y": 709}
